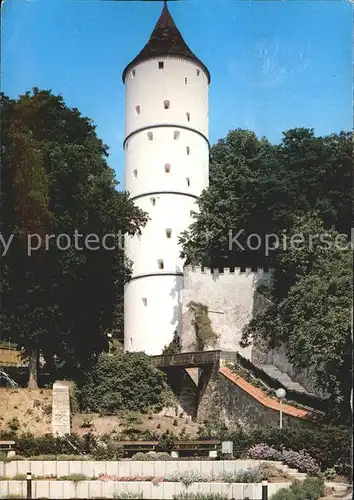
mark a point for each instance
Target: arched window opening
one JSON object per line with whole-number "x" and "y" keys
{"x": 168, "y": 232}
{"x": 167, "y": 168}
{"x": 137, "y": 110}
{"x": 133, "y": 73}
{"x": 188, "y": 117}
{"x": 161, "y": 65}
{"x": 160, "y": 263}
{"x": 144, "y": 301}
{"x": 153, "y": 201}
{"x": 176, "y": 135}
{"x": 135, "y": 173}
{"x": 150, "y": 136}
{"x": 166, "y": 104}
{"x": 185, "y": 80}
{"x": 188, "y": 150}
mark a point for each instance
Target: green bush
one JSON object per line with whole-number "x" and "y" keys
{"x": 311, "y": 488}
{"x": 126, "y": 495}
{"x": 75, "y": 478}
{"x": 127, "y": 381}
{"x": 314, "y": 441}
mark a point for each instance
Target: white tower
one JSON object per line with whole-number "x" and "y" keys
{"x": 166, "y": 168}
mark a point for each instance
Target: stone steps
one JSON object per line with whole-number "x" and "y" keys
{"x": 273, "y": 372}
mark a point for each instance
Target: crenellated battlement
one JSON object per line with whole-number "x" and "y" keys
{"x": 188, "y": 270}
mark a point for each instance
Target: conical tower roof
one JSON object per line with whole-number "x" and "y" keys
{"x": 166, "y": 40}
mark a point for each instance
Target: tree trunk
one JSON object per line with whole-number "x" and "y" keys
{"x": 33, "y": 369}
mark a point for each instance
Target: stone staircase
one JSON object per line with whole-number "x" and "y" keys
{"x": 284, "y": 379}
{"x": 334, "y": 491}
{"x": 292, "y": 473}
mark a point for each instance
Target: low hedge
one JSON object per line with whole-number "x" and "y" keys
{"x": 316, "y": 442}
{"x": 310, "y": 489}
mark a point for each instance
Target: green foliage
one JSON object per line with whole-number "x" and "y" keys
{"x": 204, "y": 333}
{"x": 175, "y": 345}
{"x": 56, "y": 180}
{"x": 200, "y": 496}
{"x": 314, "y": 441}
{"x": 302, "y": 186}
{"x": 14, "y": 424}
{"x": 143, "y": 457}
{"x": 311, "y": 313}
{"x": 126, "y": 382}
{"x": 108, "y": 451}
{"x": 309, "y": 489}
{"x": 75, "y": 477}
{"x": 127, "y": 495}
{"x": 167, "y": 442}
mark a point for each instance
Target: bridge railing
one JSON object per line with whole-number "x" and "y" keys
{"x": 196, "y": 358}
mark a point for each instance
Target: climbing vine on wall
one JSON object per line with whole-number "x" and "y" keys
{"x": 204, "y": 334}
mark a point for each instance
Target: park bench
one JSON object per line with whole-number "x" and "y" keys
{"x": 8, "y": 446}
{"x": 180, "y": 447}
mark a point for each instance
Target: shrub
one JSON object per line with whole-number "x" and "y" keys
{"x": 314, "y": 441}
{"x": 186, "y": 477}
{"x": 14, "y": 424}
{"x": 128, "y": 495}
{"x": 300, "y": 460}
{"x": 200, "y": 496}
{"x": 75, "y": 478}
{"x": 310, "y": 489}
{"x": 264, "y": 452}
{"x": 141, "y": 457}
{"x": 108, "y": 451}
{"x": 125, "y": 382}
{"x": 240, "y": 476}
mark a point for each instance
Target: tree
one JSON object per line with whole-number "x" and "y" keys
{"x": 301, "y": 186}
{"x": 259, "y": 188}
{"x": 310, "y": 312}
{"x": 56, "y": 180}
{"x": 124, "y": 382}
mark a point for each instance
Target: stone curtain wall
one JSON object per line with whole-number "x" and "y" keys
{"x": 226, "y": 403}
{"x": 230, "y": 297}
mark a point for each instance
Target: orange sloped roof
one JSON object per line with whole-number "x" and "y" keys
{"x": 262, "y": 397}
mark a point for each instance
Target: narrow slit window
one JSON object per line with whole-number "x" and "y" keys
{"x": 198, "y": 72}
{"x": 126, "y": 145}
{"x": 176, "y": 135}
{"x": 137, "y": 110}
{"x": 188, "y": 181}
{"x": 185, "y": 80}
{"x": 131, "y": 342}
{"x": 161, "y": 65}
{"x": 135, "y": 173}
{"x": 166, "y": 104}
{"x": 150, "y": 136}
{"x": 145, "y": 301}
{"x": 168, "y": 232}
{"x": 188, "y": 150}
{"x": 133, "y": 73}
{"x": 188, "y": 117}
{"x": 167, "y": 168}
{"x": 153, "y": 201}
{"x": 160, "y": 264}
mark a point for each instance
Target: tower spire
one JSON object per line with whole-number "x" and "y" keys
{"x": 166, "y": 40}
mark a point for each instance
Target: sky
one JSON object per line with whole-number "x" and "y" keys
{"x": 274, "y": 65}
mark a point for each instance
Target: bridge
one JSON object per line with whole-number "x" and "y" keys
{"x": 194, "y": 359}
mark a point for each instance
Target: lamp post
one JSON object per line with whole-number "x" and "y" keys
{"x": 281, "y": 393}
{"x": 109, "y": 335}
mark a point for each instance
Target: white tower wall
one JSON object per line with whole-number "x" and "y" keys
{"x": 164, "y": 173}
